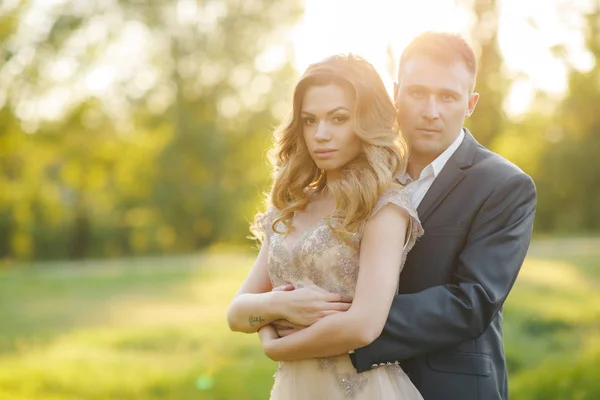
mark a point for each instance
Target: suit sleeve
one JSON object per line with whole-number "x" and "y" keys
{"x": 486, "y": 270}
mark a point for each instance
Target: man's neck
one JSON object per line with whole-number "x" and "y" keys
{"x": 418, "y": 162}
{"x": 416, "y": 166}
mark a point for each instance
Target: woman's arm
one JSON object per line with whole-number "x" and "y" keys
{"x": 380, "y": 257}
{"x": 255, "y": 306}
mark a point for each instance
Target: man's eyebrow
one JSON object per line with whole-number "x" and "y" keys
{"x": 444, "y": 90}
{"x": 416, "y": 86}
{"x": 450, "y": 91}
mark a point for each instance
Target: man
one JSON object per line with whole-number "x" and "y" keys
{"x": 477, "y": 209}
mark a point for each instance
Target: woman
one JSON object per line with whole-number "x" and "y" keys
{"x": 339, "y": 221}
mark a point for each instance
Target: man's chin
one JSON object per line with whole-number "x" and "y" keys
{"x": 425, "y": 148}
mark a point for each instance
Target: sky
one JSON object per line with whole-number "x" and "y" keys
{"x": 528, "y": 30}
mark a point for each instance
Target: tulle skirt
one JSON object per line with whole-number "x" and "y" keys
{"x": 334, "y": 378}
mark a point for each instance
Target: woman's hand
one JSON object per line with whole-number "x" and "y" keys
{"x": 285, "y": 328}
{"x": 305, "y": 306}
{"x": 268, "y": 337}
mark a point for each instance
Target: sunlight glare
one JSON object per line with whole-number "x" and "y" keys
{"x": 528, "y": 31}
{"x": 99, "y": 79}
{"x": 331, "y": 27}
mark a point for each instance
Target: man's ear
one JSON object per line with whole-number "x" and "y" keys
{"x": 473, "y": 99}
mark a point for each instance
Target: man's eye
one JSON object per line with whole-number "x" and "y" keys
{"x": 417, "y": 93}
{"x": 447, "y": 97}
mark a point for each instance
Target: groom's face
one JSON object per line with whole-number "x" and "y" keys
{"x": 433, "y": 100}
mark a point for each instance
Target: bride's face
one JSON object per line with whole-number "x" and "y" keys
{"x": 327, "y": 116}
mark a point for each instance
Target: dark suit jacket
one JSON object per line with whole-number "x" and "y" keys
{"x": 445, "y": 326}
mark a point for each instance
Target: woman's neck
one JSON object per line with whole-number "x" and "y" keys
{"x": 320, "y": 204}
{"x": 332, "y": 176}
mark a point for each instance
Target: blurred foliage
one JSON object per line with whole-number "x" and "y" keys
{"x": 559, "y": 143}
{"x": 571, "y": 176}
{"x": 556, "y": 142}
{"x": 492, "y": 82}
{"x": 138, "y": 127}
{"x": 170, "y": 157}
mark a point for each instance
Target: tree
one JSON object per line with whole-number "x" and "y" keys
{"x": 492, "y": 83}
{"x": 157, "y": 145}
{"x": 572, "y": 170}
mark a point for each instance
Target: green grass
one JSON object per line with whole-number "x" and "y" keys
{"x": 552, "y": 322}
{"x": 155, "y": 329}
{"x": 149, "y": 329}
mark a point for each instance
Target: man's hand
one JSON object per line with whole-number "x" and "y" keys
{"x": 305, "y": 306}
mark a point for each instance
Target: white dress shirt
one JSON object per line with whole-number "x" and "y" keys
{"x": 419, "y": 187}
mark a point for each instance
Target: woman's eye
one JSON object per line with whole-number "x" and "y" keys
{"x": 340, "y": 119}
{"x": 308, "y": 121}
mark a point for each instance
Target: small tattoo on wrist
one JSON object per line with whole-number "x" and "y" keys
{"x": 252, "y": 320}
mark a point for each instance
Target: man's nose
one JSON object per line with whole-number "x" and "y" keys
{"x": 431, "y": 109}
{"x": 322, "y": 134}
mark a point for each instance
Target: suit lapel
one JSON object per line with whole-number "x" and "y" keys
{"x": 452, "y": 173}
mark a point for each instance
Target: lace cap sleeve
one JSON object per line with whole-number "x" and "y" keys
{"x": 401, "y": 198}
{"x": 264, "y": 222}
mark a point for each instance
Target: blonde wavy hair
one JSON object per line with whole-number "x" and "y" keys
{"x": 296, "y": 177}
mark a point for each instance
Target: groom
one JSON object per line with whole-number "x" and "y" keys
{"x": 477, "y": 209}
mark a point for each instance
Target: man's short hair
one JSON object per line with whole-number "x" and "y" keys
{"x": 443, "y": 47}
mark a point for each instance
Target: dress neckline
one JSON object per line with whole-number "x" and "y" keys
{"x": 301, "y": 237}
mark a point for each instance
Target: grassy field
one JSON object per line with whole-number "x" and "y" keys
{"x": 155, "y": 329}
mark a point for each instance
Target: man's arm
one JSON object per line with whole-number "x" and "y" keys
{"x": 486, "y": 269}
{"x": 380, "y": 256}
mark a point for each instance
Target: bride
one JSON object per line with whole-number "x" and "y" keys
{"x": 338, "y": 221}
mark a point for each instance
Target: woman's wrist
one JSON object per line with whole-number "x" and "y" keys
{"x": 277, "y": 305}
{"x": 268, "y": 337}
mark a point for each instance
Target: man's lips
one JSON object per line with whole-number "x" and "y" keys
{"x": 429, "y": 130}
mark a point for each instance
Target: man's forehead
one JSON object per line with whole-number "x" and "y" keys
{"x": 429, "y": 72}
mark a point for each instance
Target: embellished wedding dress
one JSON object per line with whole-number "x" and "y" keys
{"x": 319, "y": 258}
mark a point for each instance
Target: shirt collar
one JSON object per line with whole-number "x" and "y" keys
{"x": 443, "y": 158}
{"x": 438, "y": 164}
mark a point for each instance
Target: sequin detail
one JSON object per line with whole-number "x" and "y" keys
{"x": 349, "y": 383}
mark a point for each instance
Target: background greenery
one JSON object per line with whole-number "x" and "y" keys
{"x": 169, "y": 157}
{"x": 105, "y": 191}
{"x": 156, "y": 329}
